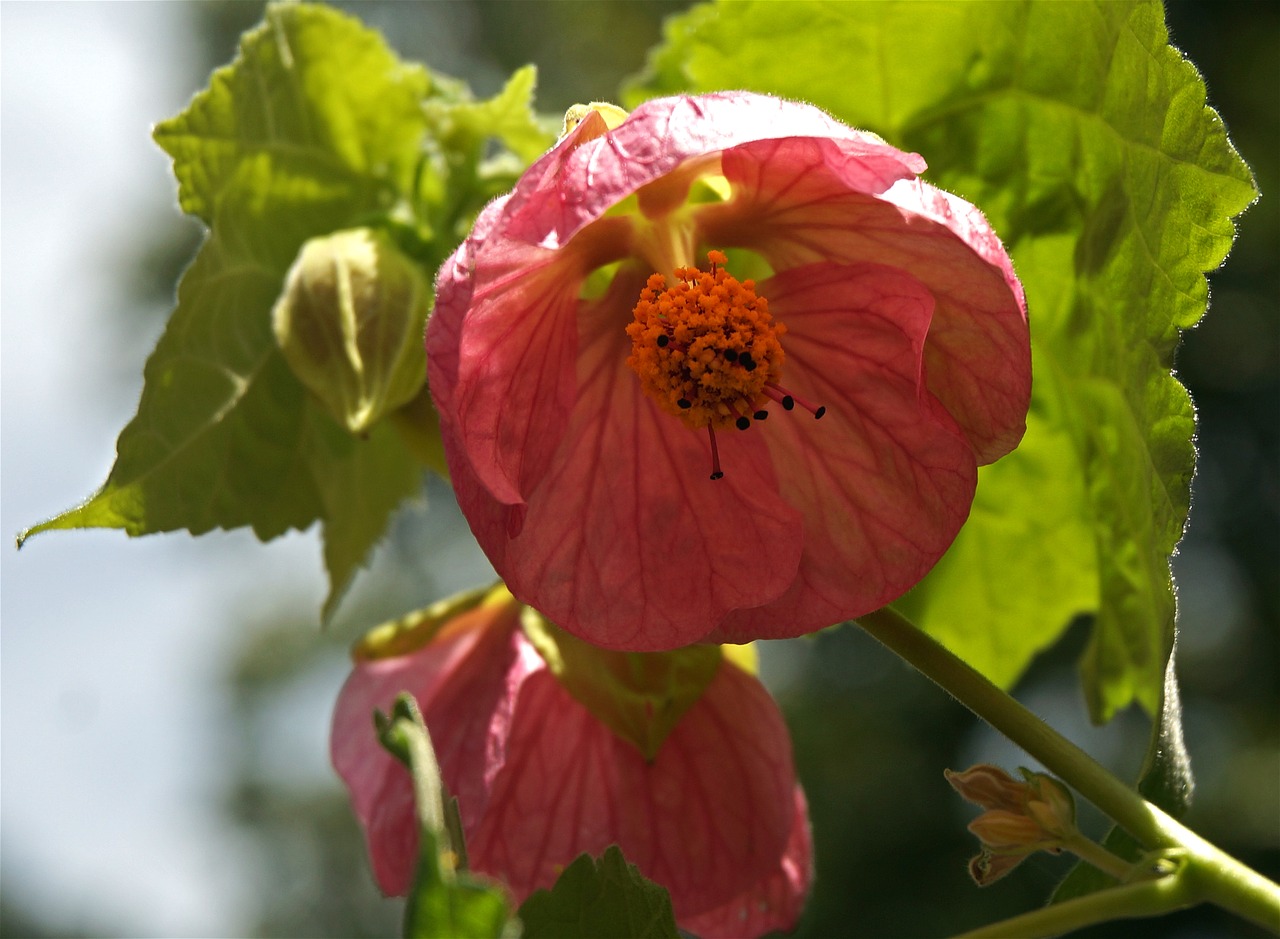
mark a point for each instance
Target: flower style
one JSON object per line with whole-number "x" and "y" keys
{"x": 712, "y": 811}
{"x": 619, "y": 327}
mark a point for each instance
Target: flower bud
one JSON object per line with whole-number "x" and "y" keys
{"x": 350, "y": 324}
{"x": 612, "y": 114}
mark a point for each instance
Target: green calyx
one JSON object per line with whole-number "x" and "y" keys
{"x": 414, "y": 630}
{"x": 350, "y": 324}
{"x": 640, "y": 696}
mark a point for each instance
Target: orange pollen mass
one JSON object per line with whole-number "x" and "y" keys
{"x": 705, "y": 348}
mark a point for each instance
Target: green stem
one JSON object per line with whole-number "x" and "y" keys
{"x": 1127, "y": 901}
{"x": 1211, "y": 874}
{"x": 1093, "y": 853}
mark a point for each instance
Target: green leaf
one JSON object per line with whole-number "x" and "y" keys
{"x": 464, "y": 909}
{"x": 1021, "y": 500}
{"x": 218, "y": 439}
{"x": 605, "y": 899}
{"x": 313, "y": 96}
{"x": 316, "y": 127}
{"x": 1166, "y": 771}
{"x": 1085, "y": 138}
{"x": 461, "y": 180}
{"x": 508, "y": 116}
{"x": 360, "y": 482}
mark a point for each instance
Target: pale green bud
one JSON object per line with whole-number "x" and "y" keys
{"x": 577, "y": 113}
{"x": 350, "y": 324}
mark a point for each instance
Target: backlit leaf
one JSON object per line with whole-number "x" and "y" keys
{"x": 314, "y": 128}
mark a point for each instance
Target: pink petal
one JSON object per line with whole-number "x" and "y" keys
{"x": 463, "y": 682}
{"x": 775, "y": 903}
{"x": 515, "y": 352}
{"x": 605, "y": 546}
{"x": 391, "y": 831}
{"x": 975, "y": 325}
{"x": 501, "y": 346}
{"x": 549, "y": 209}
{"x": 709, "y": 818}
{"x": 505, "y": 354}
{"x": 518, "y": 285}
{"x": 454, "y": 288}
{"x": 799, "y": 201}
{"x": 885, "y": 479}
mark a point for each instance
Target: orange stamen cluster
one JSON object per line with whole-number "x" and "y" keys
{"x": 706, "y": 347}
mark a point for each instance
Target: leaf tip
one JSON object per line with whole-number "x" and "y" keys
{"x": 21, "y": 537}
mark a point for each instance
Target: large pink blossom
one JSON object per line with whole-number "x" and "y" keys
{"x": 591, "y": 411}
{"x": 716, "y": 815}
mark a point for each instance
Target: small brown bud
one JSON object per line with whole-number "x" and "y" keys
{"x": 1021, "y": 817}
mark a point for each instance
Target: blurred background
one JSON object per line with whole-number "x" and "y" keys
{"x": 165, "y": 707}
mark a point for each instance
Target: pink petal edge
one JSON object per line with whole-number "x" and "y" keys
{"x": 775, "y": 903}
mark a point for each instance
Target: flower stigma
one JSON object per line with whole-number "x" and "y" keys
{"x": 708, "y": 352}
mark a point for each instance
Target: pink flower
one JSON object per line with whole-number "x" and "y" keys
{"x": 580, "y": 445}
{"x": 716, "y": 815}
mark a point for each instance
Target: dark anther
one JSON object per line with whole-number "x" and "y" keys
{"x": 685, "y": 403}
{"x": 788, "y": 403}
{"x": 731, "y": 355}
{"x": 818, "y": 413}
{"x": 747, "y": 361}
{"x": 760, "y": 415}
{"x": 743, "y": 423}
{"x": 662, "y": 341}
{"x": 717, "y": 475}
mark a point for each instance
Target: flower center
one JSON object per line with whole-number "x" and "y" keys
{"x": 706, "y": 346}
{"x": 707, "y": 350}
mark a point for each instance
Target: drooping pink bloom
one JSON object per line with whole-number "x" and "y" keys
{"x": 605, "y": 428}
{"x": 716, "y": 816}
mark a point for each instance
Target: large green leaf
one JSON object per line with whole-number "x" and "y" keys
{"x": 1086, "y": 139}
{"x": 312, "y": 96}
{"x": 315, "y": 127}
{"x": 220, "y": 435}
